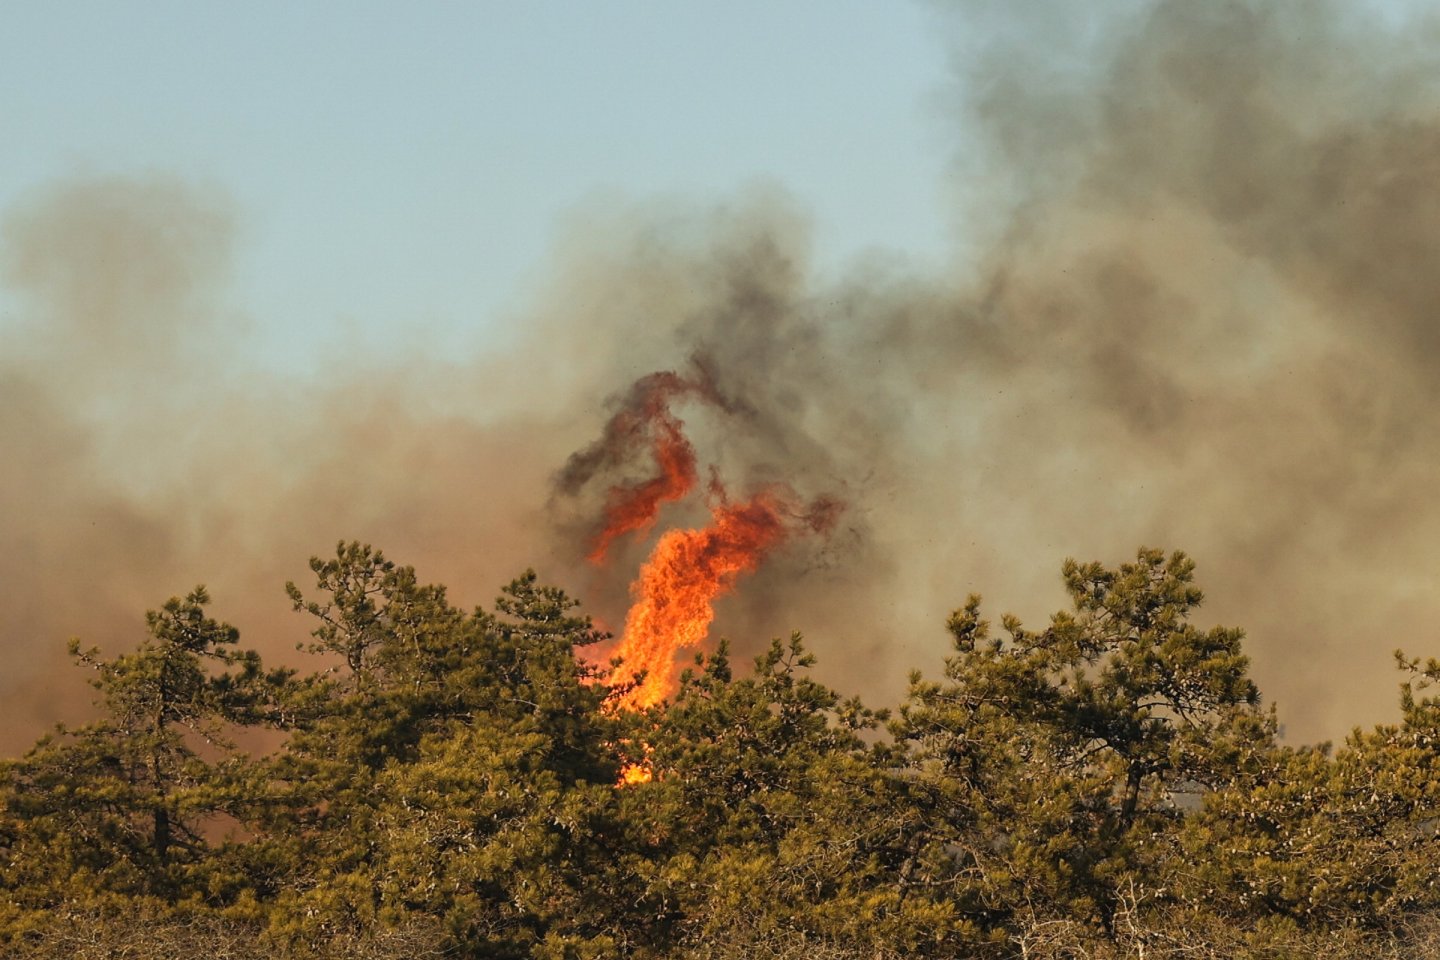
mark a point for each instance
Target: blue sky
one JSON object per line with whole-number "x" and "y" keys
{"x": 394, "y": 166}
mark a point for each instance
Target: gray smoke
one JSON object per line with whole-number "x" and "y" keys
{"x": 1192, "y": 310}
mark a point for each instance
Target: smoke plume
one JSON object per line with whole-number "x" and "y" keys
{"x": 1192, "y": 308}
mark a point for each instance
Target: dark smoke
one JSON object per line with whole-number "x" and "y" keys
{"x": 643, "y": 429}
{"x": 1193, "y": 309}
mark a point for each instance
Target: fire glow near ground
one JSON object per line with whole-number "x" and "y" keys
{"x": 1190, "y": 304}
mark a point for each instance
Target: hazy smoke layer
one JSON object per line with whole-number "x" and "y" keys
{"x": 1194, "y": 309}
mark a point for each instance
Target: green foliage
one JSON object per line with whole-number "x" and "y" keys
{"x": 1325, "y": 839}
{"x": 118, "y": 807}
{"x": 1049, "y": 763}
{"x": 453, "y": 765}
{"x": 769, "y": 820}
{"x": 450, "y": 784}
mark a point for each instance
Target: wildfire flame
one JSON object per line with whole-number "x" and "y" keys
{"x": 635, "y": 773}
{"x": 634, "y": 508}
{"x": 688, "y": 569}
{"x": 677, "y": 586}
{"x": 643, "y": 422}
{"x": 674, "y": 594}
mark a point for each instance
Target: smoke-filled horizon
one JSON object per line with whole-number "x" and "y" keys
{"x": 1191, "y": 310}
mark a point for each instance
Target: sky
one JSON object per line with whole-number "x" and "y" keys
{"x": 1006, "y": 282}
{"x": 397, "y": 168}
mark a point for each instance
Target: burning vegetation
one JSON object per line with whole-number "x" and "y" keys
{"x": 688, "y": 570}
{"x": 1200, "y": 309}
{"x": 474, "y": 785}
{"x": 460, "y": 784}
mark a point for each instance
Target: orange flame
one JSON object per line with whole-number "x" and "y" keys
{"x": 635, "y": 773}
{"x": 688, "y": 569}
{"x": 678, "y": 585}
{"x": 643, "y": 422}
{"x": 634, "y": 507}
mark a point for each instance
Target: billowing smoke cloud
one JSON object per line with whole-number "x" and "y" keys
{"x": 1192, "y": 309}
{"x": 140, "y": 458}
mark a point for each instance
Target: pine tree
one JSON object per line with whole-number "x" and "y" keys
{"x": 1053, "y": 759}
{"x": 119, "y": 807}
{"x": 770, "y": 826}
{"x": 451, "y": 765}
{"x": 1325, "y": 839}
